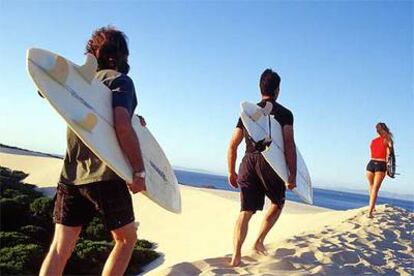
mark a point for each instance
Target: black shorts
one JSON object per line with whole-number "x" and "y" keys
{"x": 256, "y": 179}
{"x": 76, "y": 205}
{"x": 377, "y": 166}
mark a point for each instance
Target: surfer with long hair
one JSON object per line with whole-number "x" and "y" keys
{"x": 381, "y": 147}
{"x": 87, "y": 186}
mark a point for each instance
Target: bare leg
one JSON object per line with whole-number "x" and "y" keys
{"x": 269, "y": 220}
{"x": 370, "y": 177}
{"x": 240, "y": 232}
{"x": 62, "y": 246}
{"x": 378, "y": 178}
{"x": 125, "y": 238}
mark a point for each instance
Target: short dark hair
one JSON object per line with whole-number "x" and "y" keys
{"x": 269, "y": 82}
{"x": 110, "y": 48}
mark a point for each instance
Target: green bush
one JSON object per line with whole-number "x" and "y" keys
{"x": 42, "y": 212}
{"x": 37, "y": 233}
{"x": 42, "y": 206}
{"x": 23, "y": 199}
{"x": 21, "y": 259}
{"x": 8, "y": 239}
{"x": 13, "y": 214}
{"x": 14, "y": 176}
{"x": 95, "y": 230}
{"x": 26, "y": 210}
{"x": 10, "y": 193}
{"x": 88, "y": 257}
{"x": 19, "y": 188}
{"x": 139, "y": 258}
{"x": 145, "y": 244}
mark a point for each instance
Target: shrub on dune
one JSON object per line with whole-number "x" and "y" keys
{"x": 27, "y": 230}
{"x": 140, "y": 256}
{"x": 21, "y": 259}
{"x": 11, "y": 184}
{"x": 9, "y": 239}
{"x": 37, "y": 233}
{"x": 96, "y": 231}
{"x": 145, "y": 244}
{"x": 13, "y": 213}
{"x": 42, "y": 207}
{"x": 89, "y": 258}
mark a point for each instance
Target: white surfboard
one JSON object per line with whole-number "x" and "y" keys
{"x": 256, "y": 122}
{"x": 85, "y": 103}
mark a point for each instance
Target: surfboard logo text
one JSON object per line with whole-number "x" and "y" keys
{"x": 159, "y": 171}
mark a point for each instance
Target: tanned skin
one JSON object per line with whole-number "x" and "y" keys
{"x": 273, "y": 213}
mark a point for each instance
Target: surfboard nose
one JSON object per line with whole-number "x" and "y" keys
{"x": 42, "y": 58}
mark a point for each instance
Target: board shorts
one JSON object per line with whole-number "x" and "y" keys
{"x": 256, "y": 180}
{"x": 76, "y": 205}
{"x": 376, "y": 166}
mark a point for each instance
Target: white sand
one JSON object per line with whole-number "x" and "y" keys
{"x": 305, "y": 240}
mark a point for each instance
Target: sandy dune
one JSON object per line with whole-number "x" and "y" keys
{"x": 306, "y": 239}
{"x": 356, "y": 246}
{"x": 43, "y": 171}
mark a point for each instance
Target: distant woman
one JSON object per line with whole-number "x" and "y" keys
{"x": 377, "y": 166}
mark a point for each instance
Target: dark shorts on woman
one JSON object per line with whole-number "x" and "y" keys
{"x": 76, "y": 205}
{"x": 256, "y": 180}
{"x": 377, "y": 166}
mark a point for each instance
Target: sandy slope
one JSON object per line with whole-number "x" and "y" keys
{"x": 355, "y": 246}
{"x": 305, "y": 240}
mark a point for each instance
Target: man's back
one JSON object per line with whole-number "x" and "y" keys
{"x": 81, "y": 165}
{"x": 283, "y": 115}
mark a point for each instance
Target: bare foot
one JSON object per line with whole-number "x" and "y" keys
{"x": 235, "y": 260}
{"x": 259, "y": 247}
{"x": 370, "y": 215}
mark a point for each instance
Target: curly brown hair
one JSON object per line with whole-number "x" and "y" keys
{"x": 110, "y": 48}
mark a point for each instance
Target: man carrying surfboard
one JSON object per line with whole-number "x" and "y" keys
{"x": 87, "y": 185}
{"x": 256, "y": 178}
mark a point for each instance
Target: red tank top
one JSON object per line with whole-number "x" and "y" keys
{"x": 378, "y": 148}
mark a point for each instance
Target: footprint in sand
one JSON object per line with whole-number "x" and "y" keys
{"x": 328, "y": 248}
{"x": 345, "y": 257}
{"x": 390, "y": 245}
{"x": 223, "y": 271}
{"x": 283, "y": 252}
{"x": 281, "y": 265}
{"x": 352, "y": 235}
{"x": 402, "y": 256}
{"x": 303, "y": 245}
{"x": 308, "y": 258}
{"x": 376, "y": 259}
{"x": 389, "y": 235}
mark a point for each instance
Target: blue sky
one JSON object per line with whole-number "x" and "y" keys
{"x": 345, "y": 65}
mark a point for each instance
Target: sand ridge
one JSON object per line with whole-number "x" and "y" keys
{"x": 356, "y": 246}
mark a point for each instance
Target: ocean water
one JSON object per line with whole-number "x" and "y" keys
{"x": 331, "y": 199}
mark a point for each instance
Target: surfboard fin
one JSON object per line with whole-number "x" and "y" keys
{"x": 88, "y": 123}
{"x": 265, "y": 111}
{"x": 88, "y": 70}
{"x": 60, "y": 71}
{"x": 267, "y": 108}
